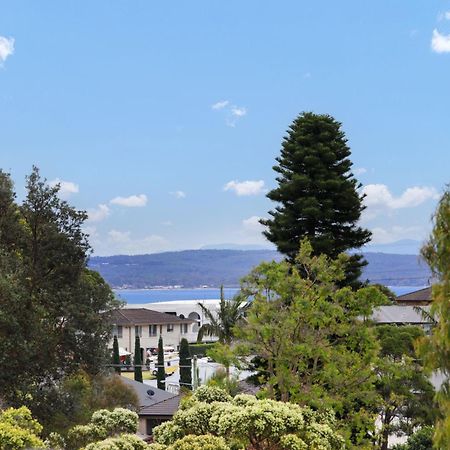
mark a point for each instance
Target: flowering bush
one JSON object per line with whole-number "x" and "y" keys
{"x": 246, "y": 422}
{"x": 123, "y": 442}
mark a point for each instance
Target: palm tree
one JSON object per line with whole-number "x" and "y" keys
{"x": 221, "y": 323}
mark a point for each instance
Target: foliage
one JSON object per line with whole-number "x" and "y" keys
{"x": 222, "y": 380}
{"x": 317, "y": 346}
{"x": 420, "y": 440}
{"x": 137, "y": 360}
{"x": 53, "y": 310}
{"x": 18, "y": 430}
{"x": 222, "y": 322}
{"x": 435, "y": 350}
{"x": 317, "y": 195}
{"x": 122, "y": 442}
{"x": 185, "y": 365}
{"x": 406, "y": 393}
{"x": 116, "y": 355}
{"x": 161, "y": 372}
{"x": 199, "y": 349}
{"x": 224, "y": 355}
{"x": 246, "y": 422}
{"x": 103, "y": 424}
{"x": 73, "y": 400}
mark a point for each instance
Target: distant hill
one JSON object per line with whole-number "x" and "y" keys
{"x": 194, "y": 268}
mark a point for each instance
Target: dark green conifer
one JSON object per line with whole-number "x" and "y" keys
{"x": 137, "y": 360}
{"x": 161, "y": 372}
{"x": 317, "y": 195}
{"x": 116, "y": 356}
{"x": 185, "y": 365}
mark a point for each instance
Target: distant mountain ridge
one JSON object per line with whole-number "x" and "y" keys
{"x": 194, "y": 268}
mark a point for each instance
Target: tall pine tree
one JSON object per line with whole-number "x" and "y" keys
{"x": 116, "y": 355}
{"x": 161, "y": 372}
{"x": 185, "y": 365}
{"x": 317, "y": 195}
{"x": 137, "y": 360}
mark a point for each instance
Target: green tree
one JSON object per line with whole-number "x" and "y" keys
{"x": 161, "y": 371}
{"x": 422, "y": 439}
{"x": 317, "y": 195}
{"x": 221, "y": 323}
{"x": 318, "y": 349}
{"x": 435, "y": 350}
{"x": 53, "y": 310}
{"x": 137, "y": 360}
{"x": 116, "y": 356}
{"x": 406, "y": 393}
{"x": 185, "y": 365}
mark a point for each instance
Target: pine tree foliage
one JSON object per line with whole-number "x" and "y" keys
{"x": 137, "y": 360}
{"x": 116, "y": 355}
{"x": 185, "y": 365}
{"x": 317, "y": 195}
{"x": 161, "y": 371}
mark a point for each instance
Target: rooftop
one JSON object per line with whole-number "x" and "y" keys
{"x": 422, "y": 295}
{"x": 134, "y": 316}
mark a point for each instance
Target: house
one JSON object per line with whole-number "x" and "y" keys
{"x": 148, "y": 325}
{"x": 422, "y": 297}
{"x": 155, "y": 405}
{"x": 189, "y": 309}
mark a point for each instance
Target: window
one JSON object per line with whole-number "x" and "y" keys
{"x": 183, "y": 328}
{"x": 119, "y": 331}
{"x": 152, "y": 330}
{"x": 138, "y": 330}
{"x": 169, "y": 327}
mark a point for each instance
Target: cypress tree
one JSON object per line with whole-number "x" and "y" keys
{"x": 317, "y": 195}
{"x": 185, "y": 365}
{"x": 116, "y": 356}
{"x": 137, "y": 360}
{"x": 161, "y": 373}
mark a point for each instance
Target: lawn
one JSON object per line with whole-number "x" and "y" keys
{"x": 146, "y": 375}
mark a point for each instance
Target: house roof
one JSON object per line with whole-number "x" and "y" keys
{"x": 147, "y": 395}
{"x": 164, "y": 408}
{"x": 422, "y": 295}
{"x": 143, "y": 316}
{"x": 400, "y": 315}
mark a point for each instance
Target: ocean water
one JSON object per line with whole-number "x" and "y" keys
{"x": 167, "y": 295}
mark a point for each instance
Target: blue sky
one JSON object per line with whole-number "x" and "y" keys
{"x": 163, "y": 119}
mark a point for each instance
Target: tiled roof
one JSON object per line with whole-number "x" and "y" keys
{"x": 164, "y": 408}
{"x": 143, "y": 316}
{"x": 422, "y": 295}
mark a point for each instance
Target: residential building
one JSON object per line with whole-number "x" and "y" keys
{"x": 421, "y": 297}
{"x": 149, "y": 326}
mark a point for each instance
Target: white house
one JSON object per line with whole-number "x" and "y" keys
{"x": 148, "y": 325}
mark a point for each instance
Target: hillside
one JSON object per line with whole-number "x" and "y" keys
{"x": 193, "y": 268}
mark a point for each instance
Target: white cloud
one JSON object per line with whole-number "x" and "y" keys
{"x": 66, "y": 188}
{"x": 244, "y": 188}
{"x": 133, "y": 201}
{"x": 98, "y": 214}
{"x": 238, "y": 111}
{"x": 387, "y": 235}
{"x": 220, "y": 105}
{"x": 440, "y": 43}
{"x": 122, "y": 242}
{"x": 6, "y": 48}
{"x": 252, "y": 224}
{"x": 378, "y": 196}
{"x": 359, "y": 170}
{"x": 91, "y": 231}
{"x": 167, "y": 223}
{"x": 444, "y": 15}
{"x": 178, "y": 194}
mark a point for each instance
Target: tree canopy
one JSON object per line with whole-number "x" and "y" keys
{"x": 53, "y": 310}
{"x": 317, "y": 195}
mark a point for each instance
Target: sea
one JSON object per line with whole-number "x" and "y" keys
{"x": 133, "y": 296}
